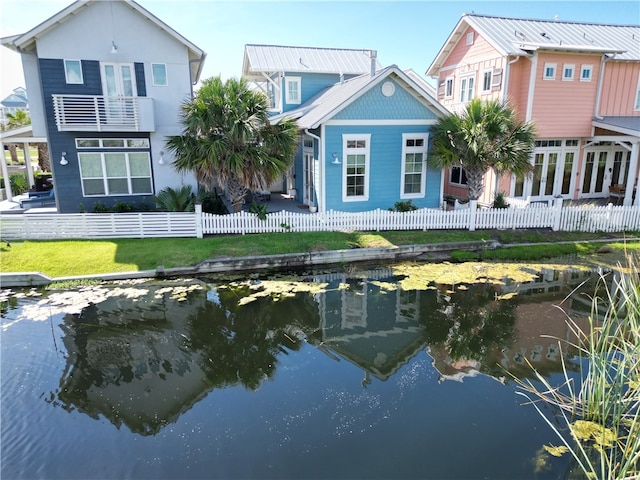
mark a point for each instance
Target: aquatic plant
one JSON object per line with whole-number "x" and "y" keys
{"x": 601, "y": 409}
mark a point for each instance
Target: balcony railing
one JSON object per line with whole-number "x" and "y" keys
{"x": 91, "y": 113}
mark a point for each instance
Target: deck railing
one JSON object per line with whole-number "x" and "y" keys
{"x": 103, "y": 114}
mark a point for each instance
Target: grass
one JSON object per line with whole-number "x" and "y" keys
{"x": 60, "y": 258}
{"x": 601, "y": 414}
{"x": 33, "y": 153}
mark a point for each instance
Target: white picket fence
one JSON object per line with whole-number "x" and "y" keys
{"x": 154, "y": 224}
{"x": 97, "y": 225}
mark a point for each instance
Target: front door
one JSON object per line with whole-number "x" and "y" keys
{"x": 119, "y": 88}
{"x": 596, "y": 177}
{"x": 553, "y": 172}
{"x": 308, "y": 163}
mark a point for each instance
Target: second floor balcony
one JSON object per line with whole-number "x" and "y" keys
{"x": 91, "y": 113}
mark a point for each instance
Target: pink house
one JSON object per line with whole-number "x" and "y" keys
{"x": 579, "y": 83}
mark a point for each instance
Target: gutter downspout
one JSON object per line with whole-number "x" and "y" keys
{"x": 596, "y": 111}
{"x": 532, "y": 85}
{"x": 505, "y": 98}
{"x": 507, "y": 74}
{"x": 320, "y": 164}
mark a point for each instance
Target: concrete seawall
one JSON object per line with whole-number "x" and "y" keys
{"x": 263, "y": 262}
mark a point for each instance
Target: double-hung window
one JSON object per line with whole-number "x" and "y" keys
{"x": 292, "y": 90}
{"x": 355, "y": 150}
{"x": 467, "y": 85}
{"x": 448, "y": 88}
{"x": 487, "y": 75}
{"x": 414, "y": 155}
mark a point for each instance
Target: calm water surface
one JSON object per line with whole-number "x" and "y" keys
{"x": 357, "y": 375}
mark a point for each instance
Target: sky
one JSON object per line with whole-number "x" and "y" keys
{"x": 408, "y": 34}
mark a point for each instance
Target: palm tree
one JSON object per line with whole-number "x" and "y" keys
{"x": 486, "y": 135}
{"x": 227, "y": 139}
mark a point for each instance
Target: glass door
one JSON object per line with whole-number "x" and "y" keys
{"x": 596, "y": 177}
{"x": 308, "y": 165}
{"x": 119, "y": 89}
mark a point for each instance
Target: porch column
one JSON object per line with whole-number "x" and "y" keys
{"x": 632, "y": 183}
{"x": 28, "y": 164}
{"x": 5, "y": 174}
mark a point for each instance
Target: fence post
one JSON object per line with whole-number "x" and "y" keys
{"x": 473, "y": 208}
{"x": 557, "y": 214}
{"x": 198, "y": 217}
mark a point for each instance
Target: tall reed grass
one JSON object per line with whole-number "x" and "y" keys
{"x": 601, "y": 408}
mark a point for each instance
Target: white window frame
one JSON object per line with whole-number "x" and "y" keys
{"x": 448, "y": 87}
{"x": 422, "y": 149}
{"x": 66, "y": 71}
{"x": 571, "y": 68}
{"x": 457, "y": 184}
{"x": 287, "y": 92}
{"x": 487, "y": 80}
{"x": 105, "y": 178}
{"x": 586, "y": 68}
{"x": 553, "y": 67}
{"x": 470, "y": 38}
{"x": 153, "y": 75}
{"x": 346, "y": 151}
{"x": 467, "y": 87}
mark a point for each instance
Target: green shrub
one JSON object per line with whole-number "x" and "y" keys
{"x": 176, "y": 200}
{"x": 122, "y": 207}
{"x": 500, "y": 201}
{"x": 259, "y": 210}
{"x": 100, "y": 207}
{"x": 406, "y": 206}
{"x": 19, "y": 183}
{"x": 211, "y": 203}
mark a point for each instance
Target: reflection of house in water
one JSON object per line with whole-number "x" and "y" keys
{"x": 129, "y": 360}
{"x": 541, "y": 331}
{"x": 371, "y": 324}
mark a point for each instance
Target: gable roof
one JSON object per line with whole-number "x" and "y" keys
{"x": 13, "y": 100}
{"x": 521, "y": 36}
{"x": 331, "y": 100}
{"x": 26, "y": 41}
{"x": 260, "y": 59}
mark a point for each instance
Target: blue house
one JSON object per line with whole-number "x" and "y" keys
{"x": 364, "y": 129}
{"x": 106, "y": 81}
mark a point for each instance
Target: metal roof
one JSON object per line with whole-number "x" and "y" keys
{"x": 277, "y": 58}
{"x": 628, "y": 125}
{"x": 331, "y": 100}
{"x": 520, "y": 36}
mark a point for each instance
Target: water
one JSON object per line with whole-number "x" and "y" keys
{"x": 339, "y": 376}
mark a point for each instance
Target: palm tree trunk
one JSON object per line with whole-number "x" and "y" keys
{"x": 475, "y": 182}
{"x": 236, "y": 191}
{"x": 13, "y": 150}
{"x": 43, "y": 157}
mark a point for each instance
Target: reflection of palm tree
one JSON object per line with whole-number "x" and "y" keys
{"x": 242, "y": 342}
{"x": 472, "y": 325}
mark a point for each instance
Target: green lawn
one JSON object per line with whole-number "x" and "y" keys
{"x": 60, "y": 258}
{"x": 33, "y": 152}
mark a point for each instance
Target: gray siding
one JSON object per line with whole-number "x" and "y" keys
{"x": 66, "y": 178}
